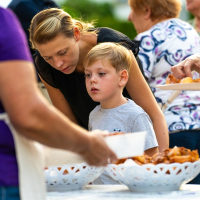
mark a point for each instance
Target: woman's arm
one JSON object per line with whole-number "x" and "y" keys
{"x": 59, "y": 101}
{"x": 36, "y": 119}
{"x": 142, "y": 95}
{"x": 152, "y": 151}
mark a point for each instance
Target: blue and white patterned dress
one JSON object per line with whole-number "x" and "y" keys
{"x": 164, "y": 45}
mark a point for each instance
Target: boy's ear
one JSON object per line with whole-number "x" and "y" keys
{"x": 123, "y": 78}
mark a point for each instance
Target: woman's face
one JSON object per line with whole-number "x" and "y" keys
{"x": 193, "y": 5}
{"x": 62, "y": 53}
{"x": 138, "y": 21}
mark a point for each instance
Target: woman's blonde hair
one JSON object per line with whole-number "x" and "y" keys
{"x": 47, "y": 24}
{"x": 113, "y": 54}
{"x": 160, "y": 9}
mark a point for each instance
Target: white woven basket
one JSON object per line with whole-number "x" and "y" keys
{"x": 154, "y": 178}
{"x": 71, "y": 177}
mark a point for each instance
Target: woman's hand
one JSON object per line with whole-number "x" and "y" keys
{"x": 98, "y": 153}
{"x": 184, "y": 68}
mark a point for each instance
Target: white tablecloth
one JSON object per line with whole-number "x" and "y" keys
{"x": 121, "y": 192}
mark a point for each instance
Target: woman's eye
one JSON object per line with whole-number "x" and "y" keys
{"x": 63, "y": 53}
{"x": 87, "y": 75}
{"x": 46, "y": 58}
{"x": 102, "y": 74}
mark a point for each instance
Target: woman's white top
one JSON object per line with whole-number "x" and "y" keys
{"x": 163, "y": 46}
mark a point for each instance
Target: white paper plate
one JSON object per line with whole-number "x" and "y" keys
{"x": 127, "y": 145}
{"x": 180, "y": 86}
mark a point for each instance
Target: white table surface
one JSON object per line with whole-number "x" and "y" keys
{"x": 121, "y": 192}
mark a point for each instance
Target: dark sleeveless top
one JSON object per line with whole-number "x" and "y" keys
{"x": 73, "y": 86}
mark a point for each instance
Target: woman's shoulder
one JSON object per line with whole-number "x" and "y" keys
{"x": 110, "y": 35}
{"x": 106, "y": 34}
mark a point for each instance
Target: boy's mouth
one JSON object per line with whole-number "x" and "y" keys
{"x": 93, "y": 89}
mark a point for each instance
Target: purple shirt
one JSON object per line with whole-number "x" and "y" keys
{"x": 13, "y": 46}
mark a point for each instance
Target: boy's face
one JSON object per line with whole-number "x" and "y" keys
{"x": 102, "y": 82}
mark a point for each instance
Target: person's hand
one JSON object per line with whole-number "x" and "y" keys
{"x": 98, "y": 153}
{"x": 184, "y": 68}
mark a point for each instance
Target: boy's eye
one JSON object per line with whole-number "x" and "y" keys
{"x": 87, "y": 75}
{"x": 101, "y": 74}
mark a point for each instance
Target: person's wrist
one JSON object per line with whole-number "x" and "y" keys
{"x": 84, "y": 144}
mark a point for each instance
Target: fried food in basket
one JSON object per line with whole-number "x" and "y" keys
{"x": 173, "y": 80}
{"x": 167, "y": 156}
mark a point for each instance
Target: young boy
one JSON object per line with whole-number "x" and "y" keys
{"x": 107, "y": 67}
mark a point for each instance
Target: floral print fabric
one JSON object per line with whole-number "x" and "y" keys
{"x": 164, "y": 45}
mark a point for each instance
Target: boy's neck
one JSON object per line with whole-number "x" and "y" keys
{"x": 113, "y": 103}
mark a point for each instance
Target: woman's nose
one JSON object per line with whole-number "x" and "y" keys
{"x": 58, "y": 63}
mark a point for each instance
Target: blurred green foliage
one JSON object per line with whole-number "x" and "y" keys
{"x": 100, "y": 13}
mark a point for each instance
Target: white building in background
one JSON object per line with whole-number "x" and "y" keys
{"x": 121, "y": 8}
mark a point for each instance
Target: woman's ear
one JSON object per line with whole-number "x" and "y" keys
{"x": 147, "y": 12}
{"x": 123, "y": 78}
{"x": 77, "y": 33}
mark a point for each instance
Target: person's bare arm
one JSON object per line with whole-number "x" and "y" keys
{"x": 184, "y": 68}
{"x": 36, "y": 119}
{"x": 142, "y": 95}
{"x": 59, "y": 101}
{"x": 152, "y": 151}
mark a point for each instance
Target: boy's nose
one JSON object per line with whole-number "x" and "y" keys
{"x": 93, "y": 79}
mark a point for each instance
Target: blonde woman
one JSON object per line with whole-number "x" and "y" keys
{"x": 62, "y": 43}
{"x": 165, "y": 41}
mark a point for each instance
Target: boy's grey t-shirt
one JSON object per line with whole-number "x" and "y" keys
{"x": 127, "y": 118}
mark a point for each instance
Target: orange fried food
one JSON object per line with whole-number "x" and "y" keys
{"x": 120, "y": 161}
{"x": 180, "y": 159}
{"x": 174, "y": 152}
{"x": 167, "y": 156}
{"x": 172, "y": 80}
{"x": 196, "y": 80}
{"x": 186, "y": 80}
{"x": 194, "y": 155}
{"x": 140, "y": 159}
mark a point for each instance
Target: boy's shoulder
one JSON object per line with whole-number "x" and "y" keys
{"x": 133, "y": 110}
{"x": 95, "y": 110}
{"x": 132, "y": 106}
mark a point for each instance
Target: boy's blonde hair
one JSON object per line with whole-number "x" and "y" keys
{"x": 110, "y": 53}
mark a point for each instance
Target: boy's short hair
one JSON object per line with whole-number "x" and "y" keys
{"x": 110, "y": 53}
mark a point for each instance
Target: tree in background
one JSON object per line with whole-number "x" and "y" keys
{"x": 100, "y": 13}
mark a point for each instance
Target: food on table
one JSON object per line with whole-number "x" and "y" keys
{"x": 167, "y": 156}
{"x": 186, "y": 80}
{"x": 197, "y": 80}
{"x": 173, "y": 80}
